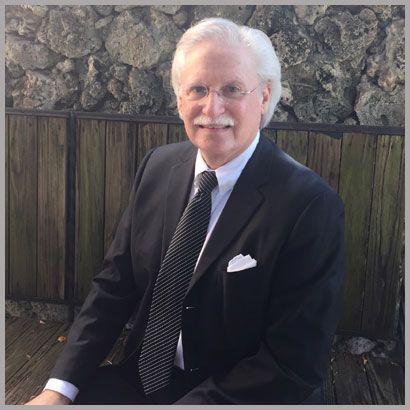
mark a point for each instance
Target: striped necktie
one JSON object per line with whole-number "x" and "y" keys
{"x": 164, "y": 320}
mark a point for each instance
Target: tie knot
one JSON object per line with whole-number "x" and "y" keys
{"x": 207, "y": 181}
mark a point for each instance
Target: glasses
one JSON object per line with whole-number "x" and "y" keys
{"x": 227, "y": 92}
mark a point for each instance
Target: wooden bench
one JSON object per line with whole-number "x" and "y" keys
{"x": 68, "y": 176}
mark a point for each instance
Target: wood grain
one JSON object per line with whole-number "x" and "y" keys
{"x": 23, "y": 205}
{"x": 119, "y": 174}
{"x": 385, "y": 241}
{"x": 176, "y": 133}
{"x": 356, "y": 184}
{"x": 324, "y": 157}
{"x": 150, "y": 136}
{"x": 90, "y": 184}
{"x": 51, "y": 207}
{"x": 294, "y": 143}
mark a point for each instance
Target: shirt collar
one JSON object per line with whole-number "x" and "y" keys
{"x": 227, "y": 174}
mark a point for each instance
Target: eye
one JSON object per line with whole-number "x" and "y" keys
{"x": 231, "y": 91}
{"x": 197, "y": 91}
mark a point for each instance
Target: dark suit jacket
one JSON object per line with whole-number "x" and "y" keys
{"x": 257, "y": 336}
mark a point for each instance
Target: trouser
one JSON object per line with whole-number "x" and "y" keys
{"x": 114, "y": 384}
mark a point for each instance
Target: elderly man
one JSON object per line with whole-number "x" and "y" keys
{"x": 229, "y": 252}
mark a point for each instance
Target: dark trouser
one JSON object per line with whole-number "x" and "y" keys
{"x": 113, "y": 384}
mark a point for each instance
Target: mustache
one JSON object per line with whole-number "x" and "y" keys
{"x": 222, "y": 120}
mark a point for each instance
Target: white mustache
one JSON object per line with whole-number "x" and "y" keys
{"x": 222, "y": 120}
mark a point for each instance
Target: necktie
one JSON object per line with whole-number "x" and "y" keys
{"x": 164, "y": 321}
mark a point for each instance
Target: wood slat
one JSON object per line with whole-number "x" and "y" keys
{"x": 29, "y": 343}
{"x": 324, "y": 157}
{"x": 176, "y": 133}
{"x": 385, "y": 241}
{"x": 386, "y": 381}
{"x": 351, "y": 385}
{"x": 30, "y": 378}
{"x": 294, "y": 143}
{"x": 15, "y": 328}
{"x": 150, "y": 136}
{"x": 90, "y": 177}
{"x": 51, "y": 207}
{"x": 269, "y": 133}
{"x": 119, "y": 173}
{"x": 355, "y": 188}
{"x": 23, "y": 205}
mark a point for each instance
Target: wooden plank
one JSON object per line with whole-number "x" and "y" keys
{"x": 51, "y": 207}
{"x": 23, "y": 205}
{"x": 269, "y": 133}
{"x": 355, "y": 186}
{"x": 324, "y": 157}
{"x": 294, "y": 143}
{"x": 15, "y": 328}
{"x": 150, "y": 136}
{"x": 6, "y": 200}
{"x": 30, "y": 378}
{"x": 90, "y": 167}
{"x": 119, "y": 174}
{"x": 385, "y": 241}
{"x": 28, "y": 344}
{"x": 386, "y": 380}
{"x": 176, "y": 133}
{"x": 351, "y": 385}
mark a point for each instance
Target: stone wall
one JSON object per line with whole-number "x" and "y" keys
{"x": 341, "y": 64}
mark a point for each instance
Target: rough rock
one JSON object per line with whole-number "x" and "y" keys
{"x": 120, "y": 9}
{"x": 388, "y": 66}
{"x": 103, "y": 22}
{"x": 149, "y": 44}
{"x": 28, "y": 55}
{"x": 25, "y": 19}
{"x": 146, "y": 93}
{"x": 71, "y": 31}
{"x": 167, "y": 9}
{"x": 292, "y": 46}
{"x": 238, "y": 14}
{"x": 103, "y": 10}
{"x": 44, "y": 92}
{"x": 377, "y": 107}
{"x": 120, "y": 72}
{"x": 66, "y": 66}
{"x": 15, "y": 70}
{"x": 348, "y": 36}
{"x": 164, "y": 72}
{"x": 308, "y": 14}
{"x": 271, "y": 19}
{"x": 180, "y": 18}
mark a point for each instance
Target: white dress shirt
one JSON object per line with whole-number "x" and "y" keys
{"x": 227, "y": 175}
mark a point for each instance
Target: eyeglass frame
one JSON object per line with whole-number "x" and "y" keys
{"x": 218, "y": 92}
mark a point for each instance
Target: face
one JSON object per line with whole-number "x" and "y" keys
{"x": 216, "y": 66}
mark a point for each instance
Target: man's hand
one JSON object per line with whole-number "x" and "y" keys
{"x": 49, "y": 397}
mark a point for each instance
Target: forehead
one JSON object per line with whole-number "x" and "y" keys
{"x": 216, "y": 62}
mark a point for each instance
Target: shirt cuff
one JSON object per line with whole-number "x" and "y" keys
{"x": 61, "y": 386}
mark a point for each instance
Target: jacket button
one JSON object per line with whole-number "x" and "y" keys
{"x": 194, "y": 369}
{"x": 190, "y": 307}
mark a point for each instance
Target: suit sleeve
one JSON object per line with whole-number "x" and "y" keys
{"x": 108, "y": 306}
{"x": 301, "y": 319}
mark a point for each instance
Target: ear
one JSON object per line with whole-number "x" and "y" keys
{"x": 266, "y": 94}
{"x": 179, "y": 106}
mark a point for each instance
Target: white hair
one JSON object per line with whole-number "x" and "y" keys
{"x": 222, "y": 30}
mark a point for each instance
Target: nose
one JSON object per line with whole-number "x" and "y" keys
{"x": 214, "y": 105}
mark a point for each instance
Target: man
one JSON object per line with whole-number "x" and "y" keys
{"x": 230, "y": 253}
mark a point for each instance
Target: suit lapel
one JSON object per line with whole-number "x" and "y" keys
{"x": 242, "y": 204}
{"x": 179, "y": 188}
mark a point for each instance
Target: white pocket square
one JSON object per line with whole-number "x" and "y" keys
{"x": 240, "y": 262}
